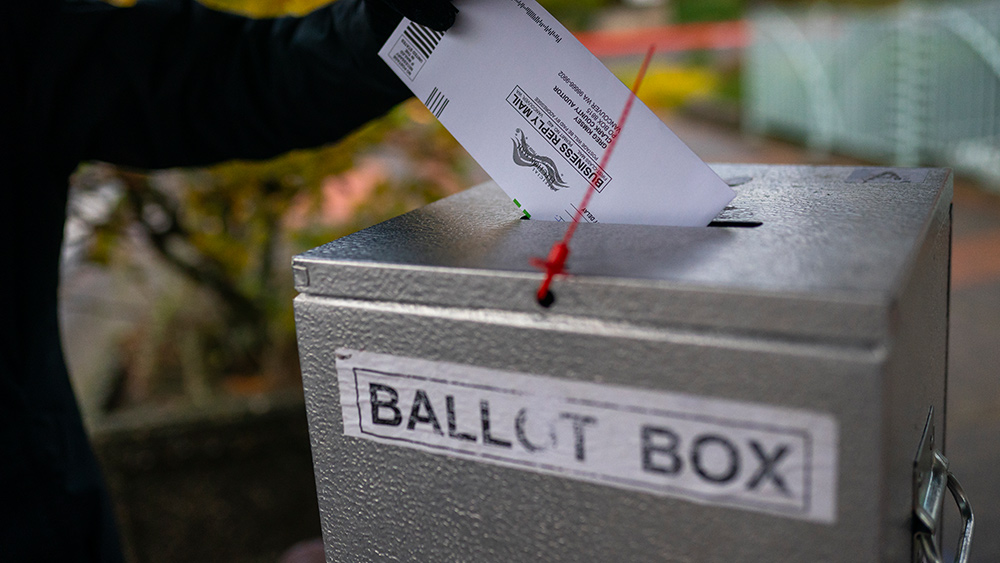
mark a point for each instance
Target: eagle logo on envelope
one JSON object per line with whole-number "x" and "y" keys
{"x": 544, "y": 166}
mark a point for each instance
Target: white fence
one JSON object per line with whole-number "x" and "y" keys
{"x": 917, "y": 84}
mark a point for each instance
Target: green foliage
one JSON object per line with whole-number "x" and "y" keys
{"x": 574, "y": 14}
{"x": 686, "y": 11}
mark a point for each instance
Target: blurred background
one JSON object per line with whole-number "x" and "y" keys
{"x": 177, "y": 289}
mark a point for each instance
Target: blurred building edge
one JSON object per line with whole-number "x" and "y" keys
{"x": 916, "y": 84}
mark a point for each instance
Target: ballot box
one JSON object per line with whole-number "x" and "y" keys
{"x": 754, "y": 390}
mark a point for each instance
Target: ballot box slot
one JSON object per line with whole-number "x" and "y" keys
{"x": 737, "y": 224}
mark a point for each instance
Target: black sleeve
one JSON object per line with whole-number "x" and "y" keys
{"x": 173, "y": 83}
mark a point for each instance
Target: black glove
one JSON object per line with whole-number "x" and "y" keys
{"x": 385, "y": 15}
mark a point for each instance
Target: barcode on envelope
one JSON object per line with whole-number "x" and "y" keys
{"x": 423, "y": 39}
{"x": 413, "y": 48}
{"x": 436, "y": 102}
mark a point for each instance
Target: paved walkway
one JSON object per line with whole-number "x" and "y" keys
{"x": 973, "y": 425}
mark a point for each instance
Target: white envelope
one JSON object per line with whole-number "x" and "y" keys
{"x": 536, "y": 110}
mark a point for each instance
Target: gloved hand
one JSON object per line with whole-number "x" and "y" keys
{"x": 385, "y": 15}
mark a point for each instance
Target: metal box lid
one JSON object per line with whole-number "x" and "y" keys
{"x": 832, "y": 250}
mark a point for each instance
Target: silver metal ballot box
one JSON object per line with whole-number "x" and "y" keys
{"x": 755, "y": 390}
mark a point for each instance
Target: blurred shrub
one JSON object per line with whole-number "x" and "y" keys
{"x": 575, "y": 14}
{"x": 212, "y": 248}
{"x": 266, "y": 8}
{"x": 669, "y": 86}
{"x": 685, "y": 11}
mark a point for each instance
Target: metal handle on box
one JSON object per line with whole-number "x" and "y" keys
{"x": 931, "y": 477}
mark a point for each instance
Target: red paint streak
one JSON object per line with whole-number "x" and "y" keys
{"x": 556, "y": 262}
{"x": 671, "y": 38}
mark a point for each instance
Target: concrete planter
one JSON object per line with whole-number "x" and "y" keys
{"x": 231, "y": 482}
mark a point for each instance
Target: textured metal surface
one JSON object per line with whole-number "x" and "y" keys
{"x": 837, "y": 304}
{"x": 827, "y": 257}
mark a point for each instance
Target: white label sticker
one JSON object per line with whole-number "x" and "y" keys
{"x": 712, "y": 451}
